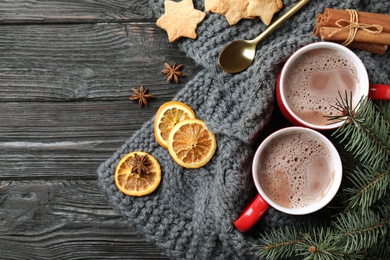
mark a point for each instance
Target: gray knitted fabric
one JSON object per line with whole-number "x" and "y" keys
{"x": 191, "y": 214}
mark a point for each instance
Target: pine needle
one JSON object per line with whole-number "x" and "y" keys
{"x": 361, "y": 231}
{"x": 369, "y": 185}
{"x": 384, "y": 108}
{"x": 380, "y": 250}
{"x": 279, "y": 243}
{"x": 321, "y": 243}
{"x": 366, "y": 132}
{"x": 366, "y": 135}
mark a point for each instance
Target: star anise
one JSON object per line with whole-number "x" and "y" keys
{"x": 141, "y": 95}
{"x": 139, "y": 164}
{"x": 173, "y": 73}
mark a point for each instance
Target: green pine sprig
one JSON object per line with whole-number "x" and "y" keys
{"x": 368, "y": 186}
{"x": 384, "y": 108}
{"x": 279, "y": 243}
{"x": 321, "y": 243}
{"x": 381, "y": 250}
{"x": 365, "y": 131}
{"x": 353, "y": 235}
{"x": 361, "y": 228}
{"x": 366, "y": 136}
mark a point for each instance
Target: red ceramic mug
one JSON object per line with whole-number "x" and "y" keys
{"x": 312, "y": 79}
{"x": 297, "y": 102}
{"x": 296, "y": 170}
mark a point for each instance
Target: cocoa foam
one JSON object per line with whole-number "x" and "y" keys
{"x": 314, "y": 81}
{"x": 295, "y": 170}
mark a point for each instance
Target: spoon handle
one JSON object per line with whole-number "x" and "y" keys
{"x": 280, "y": 20}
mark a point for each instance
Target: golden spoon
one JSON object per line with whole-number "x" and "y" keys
{"x": 238, "y": 55}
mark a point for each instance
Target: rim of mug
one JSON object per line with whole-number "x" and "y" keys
{"x": 362, "y": 76}
{"x": 333, "y": 188}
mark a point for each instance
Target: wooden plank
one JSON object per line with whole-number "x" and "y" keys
{"x": 71, "y": 11}
{"x": 94, "y": 75}
{"x": 84, "y": 62}
{"x": 66, "y": 72}
{"x": 68, "y": 139}
{"x": 65, "y": 219}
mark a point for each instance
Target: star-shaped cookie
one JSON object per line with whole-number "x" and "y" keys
{"x": 265, "y": 9}
{"x": 233, "y": 10}
{"x": 180, "y": 19}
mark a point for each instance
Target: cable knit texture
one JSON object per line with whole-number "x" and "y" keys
{"x": 191, "y": 214}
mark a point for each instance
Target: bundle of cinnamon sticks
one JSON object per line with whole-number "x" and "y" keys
{"x": 363, "y": 30}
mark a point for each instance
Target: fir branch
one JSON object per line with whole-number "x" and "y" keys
{"x": 365, "y": 131}
{"x": 366, "y": 136}
{"x": 369, "y": 185}
{"x": 384, "y": 108}
{"x": 376, "y": 120}
{"x": 320, "y": 244}
{"x": 279, "y": 243}
{"x": 381, "y": 250}
{"x": 383, "y": 207}
{"x": 361, "y": 231}
{"x": 345, "y": 107}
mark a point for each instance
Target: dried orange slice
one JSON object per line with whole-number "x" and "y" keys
{"x": 191, "y": 144}
{"x": 137, "y": 174}
{"x": 167, "y": 116}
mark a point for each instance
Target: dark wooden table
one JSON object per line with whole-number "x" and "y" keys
{"x": 66, "y": 73}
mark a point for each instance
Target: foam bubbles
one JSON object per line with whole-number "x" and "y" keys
{"x": 314, "y": 81}
{"x": 295, "y": 170}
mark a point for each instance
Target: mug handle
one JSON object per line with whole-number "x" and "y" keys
{"x": 251, "y": 214}
{"x": 379, "y": 92}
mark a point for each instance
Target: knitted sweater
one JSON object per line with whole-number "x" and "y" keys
{"x": 191, "y": 214}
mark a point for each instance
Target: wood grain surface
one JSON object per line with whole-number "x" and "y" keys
{"x": 66, "y": 73}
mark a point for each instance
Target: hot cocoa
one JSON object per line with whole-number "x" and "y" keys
{"x": 296, "y": 170}
{"x": 314, "y": 82}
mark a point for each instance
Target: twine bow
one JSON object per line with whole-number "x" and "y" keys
{"x": 353, "y": 25}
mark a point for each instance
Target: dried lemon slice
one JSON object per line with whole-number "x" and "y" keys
{"x": 167, "y": 116}
{"x": 191, "y": 144}
{"x": 137, "y": 174}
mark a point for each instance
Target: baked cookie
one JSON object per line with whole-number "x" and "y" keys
{"x": 233, "y": 10}
{"x": 264, "y": 9}
{"x": 180, "y": 19}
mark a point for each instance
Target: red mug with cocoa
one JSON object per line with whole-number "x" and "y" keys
{"x": 307, "y": 88}
{"x": 315, "y": 76}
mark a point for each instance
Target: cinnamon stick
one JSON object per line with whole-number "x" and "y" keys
{"x": 375, "y": 48}
{"x": 335, "y": 34}
{"x": 331, "y": 16}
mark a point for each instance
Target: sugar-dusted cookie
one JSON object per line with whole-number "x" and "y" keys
{"x": 180, "y": 19}
{"x": 265, "y": 9}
